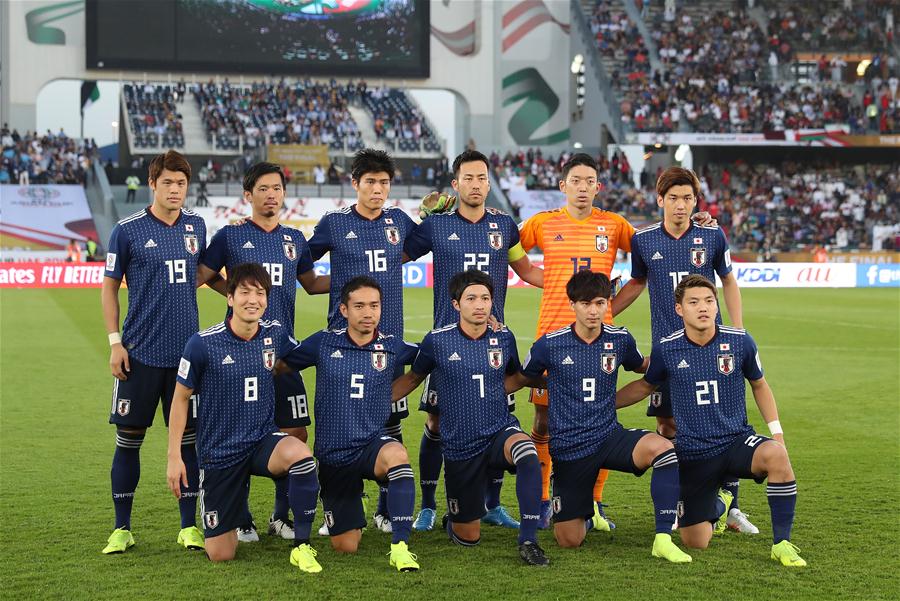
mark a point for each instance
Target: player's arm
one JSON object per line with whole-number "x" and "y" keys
{"x": 628, "y": 294}
{"x": 533, "y": 372}
{"x": 524, "y": 268}
{"x": 422, "y": 365}
{"x": 642, "y": 368}
{"x": 732, "y": 293}
{"x": 176, "y": 473}
{"x": 519, "y": 380}
{"x": 633, "y": 392}
{"x": 213, "y": 261}
{"x": 405, "y": 384}
{"x": 211, "y": 278}
{"x": 633, "y": 288}
{"x": 314, "y": 283}
{"x": 765, "y": 401}
{"x": 119, "y": 364}
{"x": 297, "y": 356}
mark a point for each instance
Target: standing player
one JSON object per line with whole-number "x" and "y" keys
{"x": 368, "y": 238}
{"x": 585, "y": 434}
{"x": 661, "y": 256}
{"x": 478, "y": 433}
{"x": 355, "y": 368}
{"x": 476, "y": 237}
{"x": 705, "y": 365}
{"x": 284, "y": 253}
{"x": 573, "y": 238}
{"x": 229, "y": 365}
{"x": 157, "y": 250}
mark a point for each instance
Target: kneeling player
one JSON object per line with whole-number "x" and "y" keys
{"x": 230, "y": 366}
{"x": 585, "y": 435}
{"x": 705, "y": 366}
{"x": 478, "y": 433}
{"x": 355, "y": 368}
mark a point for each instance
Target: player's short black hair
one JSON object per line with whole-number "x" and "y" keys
{"x": 470, "y": 277}
{"x": 258, "y": 170}
{"x": 587, "y": 285}
{"x": 695, "y": 280}
{"x": 252, "y": 273}
{"x": 469, "y": 156}
{"x": 360, "y": 281}
{"x": 580, "y": 158}
{"x": 369, "y": 160}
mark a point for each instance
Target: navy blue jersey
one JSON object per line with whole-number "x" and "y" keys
{"x": 159, "y": 264}
{"x": 706, "y": 385}
{"x": 361, "y": 246}
{"x": 471, "y": 374}
{"x": 581, "y": 385}
{"x": 353, "y": 389}
{"x": 459, "y": 244}
{"x": 283, "y": 251}
{"x": 232, "y": 378}
{"x": 664, "y": 261}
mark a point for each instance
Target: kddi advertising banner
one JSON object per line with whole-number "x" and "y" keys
{"x": 795, "y": 275}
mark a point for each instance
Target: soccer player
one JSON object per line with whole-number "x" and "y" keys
{"x": 575, "y": 237}
{"x": 585, "y": 434}
{"x": 705, "y": 365}
{"x": 355, "y": 368}
{"x": 479, "y": 435}
{"x": 284, "y": 253}
{"x": 157, "y": 250}
{"x": 661, "y": 256}
{"x": 472, "y": 236}
{"x": 229, "y": 365}
{"x": 368, "y": 238}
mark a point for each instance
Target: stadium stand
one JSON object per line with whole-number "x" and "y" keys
{"x": 832, "y": 26}
{"x": 44, "y": 159}
{"x": 153, "y": 116}
{"x": 398, "y": 121}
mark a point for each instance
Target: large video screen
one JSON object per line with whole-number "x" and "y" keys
{"x": 338, "y": 37}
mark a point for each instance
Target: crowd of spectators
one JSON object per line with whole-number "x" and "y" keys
{"x": 153, "y": 114}
{"x": 835, "y": 25}
{"x": 397, "y": 121}
{"x": 51, "y": 158}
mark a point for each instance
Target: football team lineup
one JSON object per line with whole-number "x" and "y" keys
{"x": 236, "y": 405}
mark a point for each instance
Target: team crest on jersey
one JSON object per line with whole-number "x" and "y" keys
{"x": 379, "y": 360}
{"x": 211, "y": 519}
{"x": 495, "y": 239}
{"x": 453, "y": 506}
{"x": 269, "y": 358}
{"x": 123, "y": 407}
{"x": 329, "y": 519}
{"x": 602, "y": 242}
{"x": 725, "y": 364}
{"x": 556, "y": 504}
{"x": 191, "y": 244}
{"x": 608, "y": 362}
{"x": 392, "y": 234}
{"x": 495, "y": 358}
{"x": 698, "y": 256}
{"x": 656, "y": 399}
{"x": 290, "y": 250}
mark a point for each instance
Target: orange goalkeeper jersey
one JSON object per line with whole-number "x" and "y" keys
{"x": 570, "y": 245}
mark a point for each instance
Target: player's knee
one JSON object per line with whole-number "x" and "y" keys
{"x": 219, "y": 553}
{"x": 300, "y": 433}
{"x": 775, "y": 459}
{"x": 665, "y": 427}
{"x": 346, "y": 543}
{"x": 568, "y": 538}
{"x": 659, "y": 445}
{"x": 433, "y": 423}
{"x": 523, "y": 453}
{"x": 396, "y": 454}
{"x": 696, "y": 539}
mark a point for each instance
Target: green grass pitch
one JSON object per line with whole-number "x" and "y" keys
{"x": 831, "y": 357}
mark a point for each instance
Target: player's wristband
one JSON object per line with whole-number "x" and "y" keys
{"x": 115, "y": 338}
{"x": 775, "y": 427}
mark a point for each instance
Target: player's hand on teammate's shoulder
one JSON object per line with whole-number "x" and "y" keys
{"x": 705, "y": 219}
{"x": 119, "y": 364}
{"x": 494, "y": 324}
{"x": 436, "y": 202}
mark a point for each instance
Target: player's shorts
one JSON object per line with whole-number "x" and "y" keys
{"x": 223, "y": 492}
{"x": 134, "y": 401}
{"x": 539, "y": 397}
{"x": 291, "y": 406}
{"x": 342, "y": 488}
{"x": 573, "y": 481}
{"x": 466, "y": 480}
{"x": 660, "y": 403}
{"x": 429, "y": 399}
{"x": 702, "y": 478}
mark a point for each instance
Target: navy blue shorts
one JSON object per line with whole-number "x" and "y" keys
{"x": 466, "y": 480}
{"x": 573, "y": 481}
{"x": 291, "y": 408}
{"x": 429, "y": 400}
{"x": 223, "y": 492}
{"x": 342, "y": 488}
{"x": 134, "y": 401}
{"x": 702, "y": 478}
{"x": 660, "y": 402}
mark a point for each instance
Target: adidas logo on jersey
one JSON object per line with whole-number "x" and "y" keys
{"x": 337, "y": 354}
{"x": 568, "y": 361}
{"x": 453, "y": 236}
{"x": 656, "y": 256}
{"x": 150, "y": 244}
{"x": 227, "y": 360}
{"x": 558, "y": 238}
{"x": 248, "y": 244}
{"x": 351, "y": 235}
{"x": 454, "y": 357}
{"x": 683, "y": 364}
